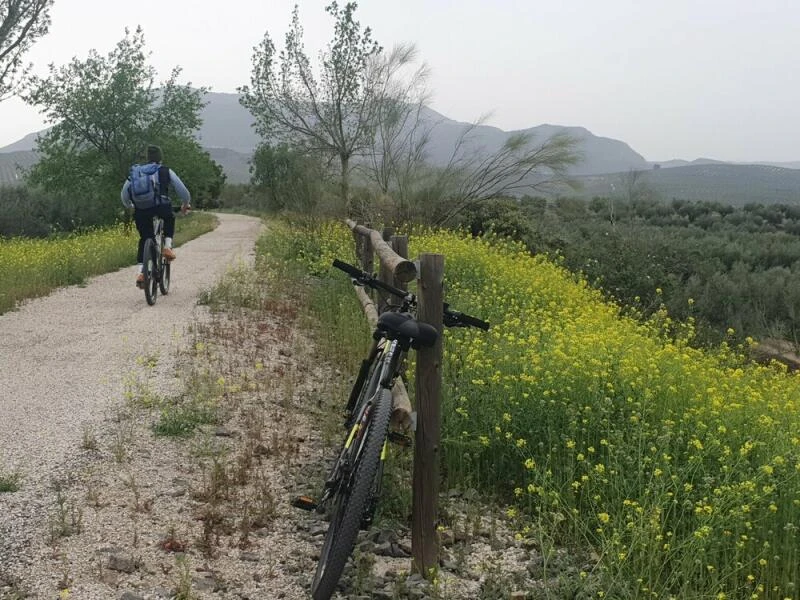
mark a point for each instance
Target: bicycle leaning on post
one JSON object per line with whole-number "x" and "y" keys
{"x": 353, "y": 486}
{"x": 156, "y": 268}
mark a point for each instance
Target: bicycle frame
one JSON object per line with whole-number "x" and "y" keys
{"x": 386, "y": 355}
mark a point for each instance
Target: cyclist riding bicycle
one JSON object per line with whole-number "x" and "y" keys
{"x": 146, "y": 192}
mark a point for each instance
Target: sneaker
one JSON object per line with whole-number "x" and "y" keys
{"x": 140, "y": 280}
{"x": 168, "y": 253}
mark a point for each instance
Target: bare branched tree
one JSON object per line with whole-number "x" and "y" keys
{"x": 401, "y": 135}
{"x": 24, "y": 21}
{"x": 633, "y": 185}
{"x": 472, "y": 173}
{"x": 519, "y": 165}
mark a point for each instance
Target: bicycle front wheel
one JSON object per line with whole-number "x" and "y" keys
{"x": 353, "y": 496}
{"x": 150, "y": 272}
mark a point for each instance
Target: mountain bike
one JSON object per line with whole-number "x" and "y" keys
{"x": 352, "y": 488}
{"x": 156, "y": 269}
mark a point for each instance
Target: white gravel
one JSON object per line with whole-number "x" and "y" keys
{"x": 63, "y": 359}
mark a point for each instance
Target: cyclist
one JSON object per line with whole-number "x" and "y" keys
{"x": 143, "y": 216}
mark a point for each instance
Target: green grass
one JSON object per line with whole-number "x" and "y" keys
{"x": 9, "y": 482}
{"x": 31, "y": 268}
{"x": 181, "y": 420}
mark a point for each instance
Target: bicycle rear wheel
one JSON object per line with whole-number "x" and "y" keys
{"x": 150, "y": 272}
{"x": 353, "y": 496}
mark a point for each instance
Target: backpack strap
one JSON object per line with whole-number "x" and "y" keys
{"x": 163, "y": 183}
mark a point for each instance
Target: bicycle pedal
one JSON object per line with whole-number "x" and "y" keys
{"x": 400, "y": 439}
{"x": 305, "y": 503}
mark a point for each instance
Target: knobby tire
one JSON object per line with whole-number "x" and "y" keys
{"x": 351, "y": 500}
{"x": 150, "y": 272}
{"x": 371, "y": 384}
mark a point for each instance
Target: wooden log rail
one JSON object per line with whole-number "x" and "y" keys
{"x": 403, "y": 269}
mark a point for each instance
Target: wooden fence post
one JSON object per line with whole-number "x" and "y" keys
{"x": 424, "y": 537}
{"x": 399, "y": 244}
{"x": 368, "y": 257}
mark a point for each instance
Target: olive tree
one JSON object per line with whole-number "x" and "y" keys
{"x": 24, "y": 21}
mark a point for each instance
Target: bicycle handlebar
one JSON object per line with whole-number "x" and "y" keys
{"x": 453, "y": 318}
{"x": 450, "y": 318}
{"x": 365, "y": 278}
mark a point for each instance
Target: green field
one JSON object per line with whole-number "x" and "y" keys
{"x": 735, "y": 185}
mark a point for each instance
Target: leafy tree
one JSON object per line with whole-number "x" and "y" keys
{"x": 332, "y": 114}
{"x": 201, "y": 174}
{"x": 24, "y": 21}
{"x": 105, "y": 110}
{"x": 501, "y": 216}
{"x": 290, "y": 178}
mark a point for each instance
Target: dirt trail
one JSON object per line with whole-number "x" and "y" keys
{"x": 63, "y": 359}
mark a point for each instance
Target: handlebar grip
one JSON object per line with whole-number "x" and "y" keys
{"x": 349, "y": 269}
{"x": 459, "y": 319}
{"x": 474, "y": 322}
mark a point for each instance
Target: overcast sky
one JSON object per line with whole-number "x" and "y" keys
{"x": 673, "y": 79}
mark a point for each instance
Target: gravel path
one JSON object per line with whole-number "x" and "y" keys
{"x": 63, "y": 359}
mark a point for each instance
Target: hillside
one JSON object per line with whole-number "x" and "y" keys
{"x": 600, "y": 155}
{"x": 548, "y": 406}
{"x": 227, "y": 133}
{"x": 13, "y": 163}
{"x": 227, "y": 124}
{"x": 235, "y": 164}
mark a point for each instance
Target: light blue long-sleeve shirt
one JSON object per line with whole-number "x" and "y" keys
{"x": 174, "y": 180}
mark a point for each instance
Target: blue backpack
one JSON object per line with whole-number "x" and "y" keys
{"x": 148, "y": 184}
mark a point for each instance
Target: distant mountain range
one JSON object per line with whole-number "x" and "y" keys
{"x": 227, "y": 134}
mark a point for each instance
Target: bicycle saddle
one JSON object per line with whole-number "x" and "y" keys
{"x": 403, "y": 325}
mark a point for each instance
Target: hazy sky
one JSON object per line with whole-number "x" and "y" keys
{"x": 673, "y": 79}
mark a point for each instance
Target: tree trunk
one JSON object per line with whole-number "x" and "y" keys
{"x": 345, "y": 180}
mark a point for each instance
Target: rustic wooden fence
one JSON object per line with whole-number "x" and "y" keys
{"x": 396, "y": 269}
